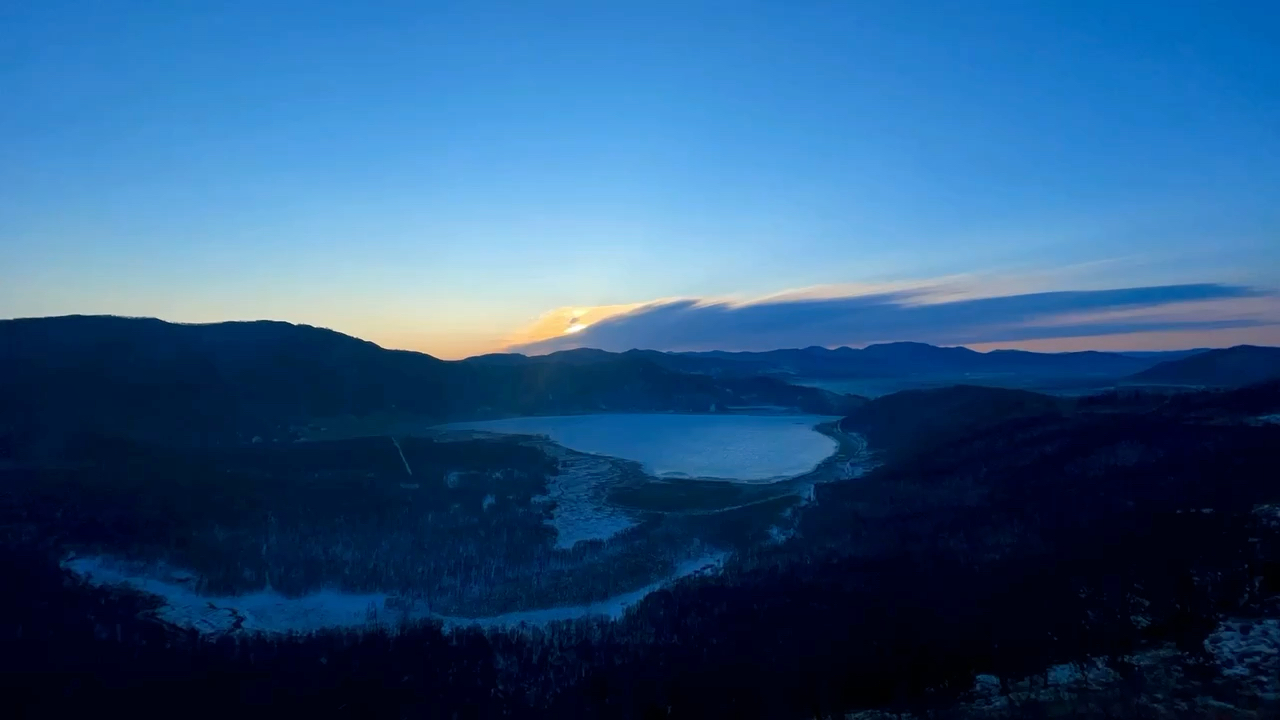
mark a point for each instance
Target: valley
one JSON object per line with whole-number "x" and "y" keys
{"x": 524, "y": 537}
{"x": 460, "y": 523}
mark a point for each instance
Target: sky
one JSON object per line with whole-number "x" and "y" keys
{"x": 468, "y": 177}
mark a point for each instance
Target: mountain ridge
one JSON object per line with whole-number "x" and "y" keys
{"x": 1231, "y": 367}
{"x": 149, "y": 376}
{"x": 142, "y": 376}
{"x": 883, "y": 360}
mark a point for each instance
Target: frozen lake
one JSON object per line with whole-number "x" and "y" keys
{"x": 741, "y": 448}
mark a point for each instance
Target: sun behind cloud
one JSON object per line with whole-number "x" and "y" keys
{"x": 566, "y": 321}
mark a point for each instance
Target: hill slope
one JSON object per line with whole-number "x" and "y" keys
{"x": 147, "y": 377}
{"x": 1231, "y": 367}
{"x": 912, "y": 421}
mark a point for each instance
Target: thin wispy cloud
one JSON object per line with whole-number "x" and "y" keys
{"x": 916, "y": 314}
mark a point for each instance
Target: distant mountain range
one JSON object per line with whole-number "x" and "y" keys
{"x": 929, "y": 365}
{"x": 891, "y": 360}
{"x": 147, "y": 377}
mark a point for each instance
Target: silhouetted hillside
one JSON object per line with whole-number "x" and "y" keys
{"x": 580, "y": 356}
{"x": 200, "y": 382}
{"x": 145, "y": 376}
{"x": 915, "y": 420}
{"x": 1251, "y": 403}
{"x": 1231, "y": 367}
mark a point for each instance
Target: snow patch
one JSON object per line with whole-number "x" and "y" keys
{"x": 1249, "y": 651}
{"x": 1269, "y": 514}
{"x": 265, "y": 611}
{"x": 1058, "y": 682}
{"x": 272, "y": 613}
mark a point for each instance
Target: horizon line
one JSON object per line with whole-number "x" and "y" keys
{"x": 613, "y": 352}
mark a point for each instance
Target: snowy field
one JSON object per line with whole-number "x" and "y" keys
{"x": 740, "y": 448}
{"x": 270, "y": 612}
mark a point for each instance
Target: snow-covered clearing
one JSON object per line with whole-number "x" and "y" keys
{"x": 270, "y": 612}
{"x": 741, "y": 448}
{"x": 578, "y": 491}
{"x": 265, "y": 611}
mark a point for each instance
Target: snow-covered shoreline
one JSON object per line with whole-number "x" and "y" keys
{"x": 270, "y": 612}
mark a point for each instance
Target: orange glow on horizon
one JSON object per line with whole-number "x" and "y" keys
{"x": 562, "y": 321}
{"x": 455, "y": 339}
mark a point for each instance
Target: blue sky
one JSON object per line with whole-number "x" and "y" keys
{"x": 440, "y": 176}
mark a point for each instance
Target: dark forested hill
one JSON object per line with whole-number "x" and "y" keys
{"x": 148, "y": 377}
{"x": 912, "y": 421}
{"x": 1231, "y": 367}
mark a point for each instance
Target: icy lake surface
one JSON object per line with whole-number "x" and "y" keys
{"x": 743, "y": 448}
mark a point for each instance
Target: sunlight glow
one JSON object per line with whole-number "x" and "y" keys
{"x": 576, "y": 327}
